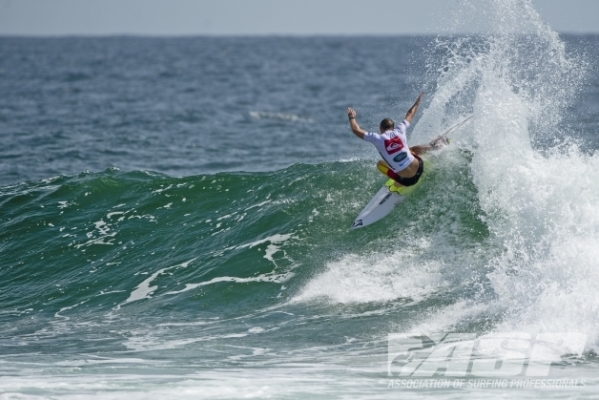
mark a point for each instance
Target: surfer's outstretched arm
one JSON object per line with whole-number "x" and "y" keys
{"x": 412, "y": 111}
{"x": 355, "y": 128}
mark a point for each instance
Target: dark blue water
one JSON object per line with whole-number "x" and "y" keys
{"x": 193, "y": 105}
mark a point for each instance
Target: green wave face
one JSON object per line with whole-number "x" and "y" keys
{"x": 121, "y": 252}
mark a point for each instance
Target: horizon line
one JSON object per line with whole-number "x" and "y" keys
{"x": 259, "y": 35}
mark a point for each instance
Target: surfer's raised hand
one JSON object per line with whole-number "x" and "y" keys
{"x": 353, "y": 124}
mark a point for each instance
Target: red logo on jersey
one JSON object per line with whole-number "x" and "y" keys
{"x": 393, "y": 145}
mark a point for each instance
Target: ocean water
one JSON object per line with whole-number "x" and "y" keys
{"x": 175, "y": 213}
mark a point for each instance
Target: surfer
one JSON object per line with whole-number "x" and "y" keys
{"x": 392, "y": 144}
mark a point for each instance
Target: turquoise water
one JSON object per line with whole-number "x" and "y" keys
{"x": 175, "y": 213}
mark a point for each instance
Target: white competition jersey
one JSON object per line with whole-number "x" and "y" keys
{"x": 393, "y": 146}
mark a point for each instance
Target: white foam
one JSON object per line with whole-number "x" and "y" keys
{"x": 375, "y": 277}
{"x": 64, "y": 204}
{"x": 112, "y": 214}
{"x": 162, "y": 189}
{"x": 145, "y": 341}
{"x": 272, "y": 278}
{"x": 274, "y": 239}
{"x": 144, "y": 290}
{"x": 279, "y": 116}
{"x": 258, "y": 205}
{"x": 541, "y": 208}
{"x": 58, "y": 315}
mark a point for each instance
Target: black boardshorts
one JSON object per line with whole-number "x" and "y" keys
{"x": 413, "y": 180}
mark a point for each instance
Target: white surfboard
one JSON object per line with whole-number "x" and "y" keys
{"x": 383, "y": 202}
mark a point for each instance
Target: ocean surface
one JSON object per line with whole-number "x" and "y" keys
{"x": 175, "y": 213}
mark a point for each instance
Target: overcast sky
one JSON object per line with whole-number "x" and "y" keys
{"x": 260, "y": 17}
